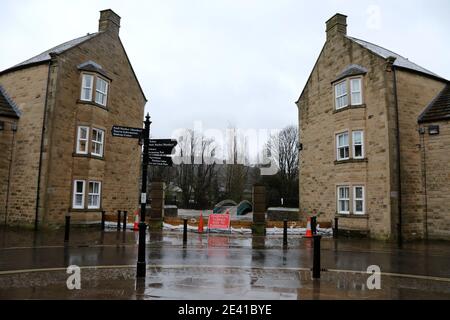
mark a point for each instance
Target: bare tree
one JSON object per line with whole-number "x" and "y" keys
{"x": 283, "y": 149}
{"x": 196, "y": 173}
{"x": 185, "y": 172}
{"x": 236, "y": 171}
{"x": 204, "y": 172}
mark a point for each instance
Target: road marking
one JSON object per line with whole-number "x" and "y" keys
{"x": 388, "y": 274}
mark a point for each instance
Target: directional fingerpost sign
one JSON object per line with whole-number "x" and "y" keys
{"x": 126, "y": 132}
{"x": 158, "y": 149}
{"x": 160, "y": 161}
{"x": 161, "y": 146}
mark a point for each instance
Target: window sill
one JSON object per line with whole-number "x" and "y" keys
{"x": 92, "y": 103}
{"x": 360, "y": 106}
{"x": 351, "y": 161}
{"x": 352, "y": 216}
{"x": 90, "y": 156}
{"x": 85, "y": 210}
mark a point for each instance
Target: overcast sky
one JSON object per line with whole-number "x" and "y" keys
{"x": 227, "y": 62}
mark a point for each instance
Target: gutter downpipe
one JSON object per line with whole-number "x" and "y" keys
{"x": 36, "y": 217}
{"x": 399, "y": 174}
{"x": 424, "y": 154}
{"x": 11, "y": 155}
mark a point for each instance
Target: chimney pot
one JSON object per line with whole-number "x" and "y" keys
{"x": 109, "y": 22}
{"x": 336, "y": 25}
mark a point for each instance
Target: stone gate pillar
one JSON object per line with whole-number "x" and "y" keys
{"x": 259, "y": 210}
{"x": 157, "y": 206}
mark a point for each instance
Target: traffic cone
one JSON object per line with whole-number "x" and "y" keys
{"x": 136, "y": 221}
{"x": 200, "y": 224}
{"x": 308, "y": 229}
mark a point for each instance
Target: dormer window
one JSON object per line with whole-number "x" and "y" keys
{"x": 100, "y": 96}
{"x": 342, "y": 98}
{"x": 348, "y": 87}
{"x": 94, "y": 83}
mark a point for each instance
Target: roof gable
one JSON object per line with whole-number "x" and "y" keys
{"x": 439, "y": 108}
{"x": 7, "y": 106}
{"x": 45, "y": 56}
{"x": 400, "y": 61}
{"x": 88, "y": 65}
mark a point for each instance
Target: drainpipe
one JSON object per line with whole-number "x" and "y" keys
{"x": 44, "y": 119}
{"x": 14, "y": 123}
{"x": 424, "y": 169}
{"x": 399, "y": 173}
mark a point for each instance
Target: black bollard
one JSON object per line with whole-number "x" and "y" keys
{"x": 67, "y": 229}
{"x": 316, "y": 257}
{"x": 125, "y": 220}
{"x": 118, "y": 219}
{"x": 285, "y": 241}
{"x": 103, "y": 220}
{"x": 336, "y": 228}
{"x": 184, "y": 231}
{"x": 314, "y": 225}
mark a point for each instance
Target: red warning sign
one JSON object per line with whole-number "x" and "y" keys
{"x": 219, "y": 221}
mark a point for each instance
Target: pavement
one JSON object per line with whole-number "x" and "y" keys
{"x": 216, "y": 266}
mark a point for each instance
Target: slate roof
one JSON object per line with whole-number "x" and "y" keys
{"x": 351, "y": 70}
{"x": 7, "y": 106}
{"x": 439, "y": 108}
{"x": 45, "y": 56}
{"x": 400, "y": 61}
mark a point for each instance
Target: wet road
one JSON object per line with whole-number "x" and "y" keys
{"x": 225, "y": 258}
{"x": 94, "y": 248}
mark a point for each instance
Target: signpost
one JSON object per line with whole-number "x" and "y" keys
{"x": 141, "y": 264}
{"x": 155, "y": 153}
{"x": 160, "y": 161}
{"x": 158, "y": 150}
{"x": 219, "y": 221}
{"x": 126, "y": 132}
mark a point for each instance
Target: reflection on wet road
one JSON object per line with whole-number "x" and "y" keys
{"x": 219, "y": 266}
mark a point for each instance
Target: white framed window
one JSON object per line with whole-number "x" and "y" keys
{"x": 94, "y": 194}
{"x": 340, "y": 93}
{"x": 358, "y": 144}
{"x": 358, "y": 200}
{"x": 356, "y": 92}
{"x": 87, "y": 84}
{"x": 343, "y": 197}
{"x": 82, "y": 139}
{"x": 78, "y": 194}
{"x": 101, "y": 91}
{"x": 97, "y": 142}
{"x": 342, "y": 146}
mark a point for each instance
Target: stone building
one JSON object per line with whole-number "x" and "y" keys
{"x": 57, "y": 110}
{"x": 370, "y": 154}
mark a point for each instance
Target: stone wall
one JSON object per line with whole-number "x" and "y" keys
{"x": 414, "y": 93}
{"x": 27, "y": 88}
{"x": 435, "y": 158}
{"x": 319, "y": 123}
{"x": 119, "y": 168}
{"x": 7, "y": 138}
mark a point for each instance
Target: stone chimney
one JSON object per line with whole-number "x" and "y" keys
{"x": 109, "y": 21}
{"x": 336, "y": 25}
